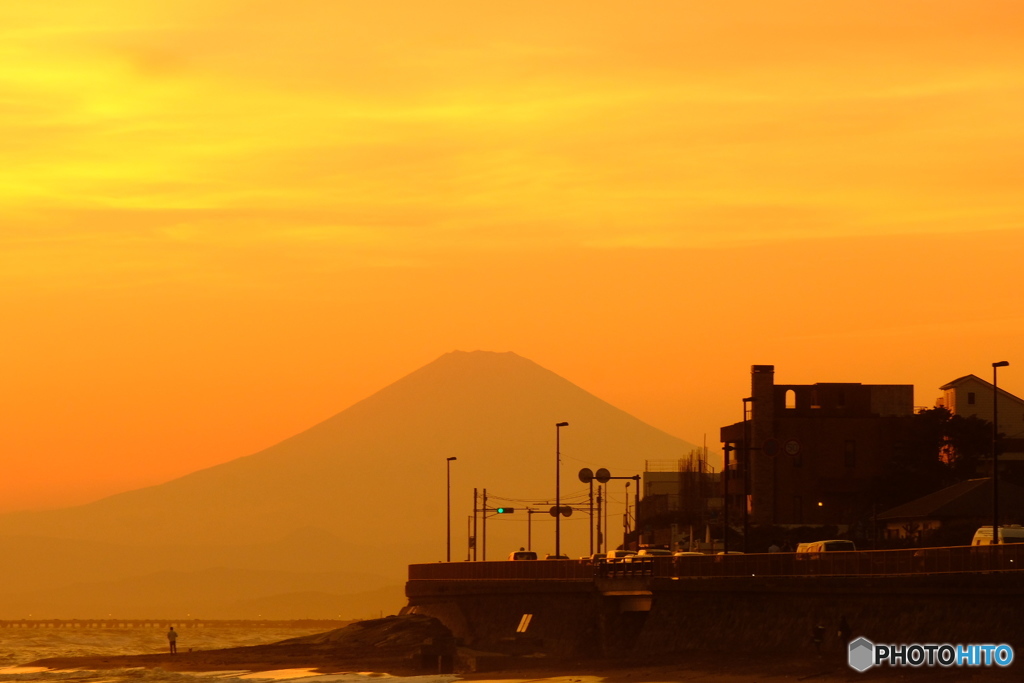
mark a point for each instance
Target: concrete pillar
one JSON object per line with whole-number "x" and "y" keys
{"x": 762, "y": 427}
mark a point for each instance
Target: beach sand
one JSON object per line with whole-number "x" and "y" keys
{"x": 723, "y": 668}
{"x": 394, "y": 646}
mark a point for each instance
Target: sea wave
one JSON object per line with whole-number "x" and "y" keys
{"x": 157, "y": 675}
{"x": 19, "y": 647}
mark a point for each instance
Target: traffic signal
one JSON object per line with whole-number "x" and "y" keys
{"x": 504, "y": 511}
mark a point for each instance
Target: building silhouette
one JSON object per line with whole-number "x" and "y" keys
{"x": 811, "y": 454}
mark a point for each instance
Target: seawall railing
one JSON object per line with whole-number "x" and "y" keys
{"x": 961, "y": 559}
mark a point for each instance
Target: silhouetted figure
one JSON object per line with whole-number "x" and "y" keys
{"x": 819, "y": 636}
{"x": 845, "y": 632}
{"x": 172, "y": 639}
{"x": 774, "y": 547}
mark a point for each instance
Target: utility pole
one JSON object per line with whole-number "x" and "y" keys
{"x": 607, "y": 504}
{"x": 475, "y": 537}
{"x": 591, "y": 517}
{"x": 484, "y": 551}
{"x": 636, "y": 509}
{"x": 529, "y": 528}
{"x": 625, "y": 519}
{"x": 995, "y": 451}
{"x": 726, "y": 449}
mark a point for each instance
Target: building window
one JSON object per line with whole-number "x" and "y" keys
{"x": 850, "y": 453}
{"x": 970, "y": 398}
{"x": 790, "y": 399}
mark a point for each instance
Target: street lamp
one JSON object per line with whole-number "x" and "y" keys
{"x": 995, "y": 451}
{"x": 448, "y": 467}
{"x": 558, "y": 487}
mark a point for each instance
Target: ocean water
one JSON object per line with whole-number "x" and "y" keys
{"x": 18, "y": 647}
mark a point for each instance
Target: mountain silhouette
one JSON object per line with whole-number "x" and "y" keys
{"x": 370, "y": 481}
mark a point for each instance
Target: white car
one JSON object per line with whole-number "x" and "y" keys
{"x": 1008, "y": 533}
{"x": 648, "y": 553}
{"x": 618, "y": 555}
{"x": 521, "y": 554}
{"x": 827, "y": 546}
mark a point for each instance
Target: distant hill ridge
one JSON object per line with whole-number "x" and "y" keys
{"x": 373, "y": 476}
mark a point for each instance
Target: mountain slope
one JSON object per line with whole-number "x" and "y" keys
{"x": 374, "y": 474}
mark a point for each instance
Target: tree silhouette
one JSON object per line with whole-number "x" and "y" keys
{"x": 935, "y": 449}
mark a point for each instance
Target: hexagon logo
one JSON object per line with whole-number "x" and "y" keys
{"x": 862, "y": 654}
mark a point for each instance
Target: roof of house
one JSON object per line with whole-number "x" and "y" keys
{"x": 958, "y": 380}
{"x": 968, "y": 499}
{"x": 1003, "y": 393}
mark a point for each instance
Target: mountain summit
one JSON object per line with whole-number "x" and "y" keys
{"x": 374, "y": 474}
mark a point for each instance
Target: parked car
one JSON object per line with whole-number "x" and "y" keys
{"x": 618, "y": 555}
{"x": 556, "y": 557}
{"x": 687, "y": 553}
{"x": 522, "y": 555}
{"x": 826, "y": 546}
{"x": 647, "y": 553}
{"x": 1008, "y": 533}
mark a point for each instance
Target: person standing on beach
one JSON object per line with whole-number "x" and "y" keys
{"x": 172, "y": 638}
{"x": 845, "y": 632}
{"x": 818, "y": 635}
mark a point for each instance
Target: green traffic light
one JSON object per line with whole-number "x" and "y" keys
{"x": 504, "y": 511}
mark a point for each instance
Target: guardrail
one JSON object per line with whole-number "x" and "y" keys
{"x": 519, "y": 569}
{"x": 961, "y": 559}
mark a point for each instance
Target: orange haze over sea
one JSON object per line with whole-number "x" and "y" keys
{"x": 223, "y": 221}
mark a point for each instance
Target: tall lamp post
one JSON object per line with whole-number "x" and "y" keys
{"x": 448, "y": 467}
{"x": 995, "y": 451}
{"x": 558, "y": 487}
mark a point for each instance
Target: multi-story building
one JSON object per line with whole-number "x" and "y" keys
{"x": 810, "y": 454}
{"x": 682, "y": 498}
{"x": 971, "y": 396}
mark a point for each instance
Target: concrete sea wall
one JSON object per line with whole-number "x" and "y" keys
{"x": 659, "y": 615}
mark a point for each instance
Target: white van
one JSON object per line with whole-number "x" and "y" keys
{"x": 1008, "y": 533}
{"x": 826, "y": 546}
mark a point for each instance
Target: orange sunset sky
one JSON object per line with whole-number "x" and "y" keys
{"x": 224, "y": 221}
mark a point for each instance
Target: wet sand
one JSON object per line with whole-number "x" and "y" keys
{"x": 394, "y": 645}
{"x": 724, "y": 668}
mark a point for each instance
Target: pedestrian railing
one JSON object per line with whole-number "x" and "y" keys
{"x": 963, "y": 559}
